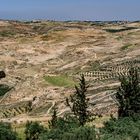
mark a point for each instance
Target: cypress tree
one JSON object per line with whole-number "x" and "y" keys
{"x": 78, "y": 102}
{"x": 128, "y": 94}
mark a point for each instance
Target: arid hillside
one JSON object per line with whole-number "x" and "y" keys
{"x": 43, "y": 60}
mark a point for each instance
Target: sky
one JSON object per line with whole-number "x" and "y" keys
{"x": 92, "y": 10}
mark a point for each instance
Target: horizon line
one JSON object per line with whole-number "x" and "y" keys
{"x": 71, "y": 20}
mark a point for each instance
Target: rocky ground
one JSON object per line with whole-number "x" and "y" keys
{"x": 43, "y": 59}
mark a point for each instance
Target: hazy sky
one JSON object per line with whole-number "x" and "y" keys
{"x": 70, "y": 9}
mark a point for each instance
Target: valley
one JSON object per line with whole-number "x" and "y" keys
{"x": 44, "y": 59}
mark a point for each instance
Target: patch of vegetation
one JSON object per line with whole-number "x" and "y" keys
{"x": 81, "y": 133}
{"x": 126, "y": 128}
{"x": 67, "y": 130}
{"x": 125, "y": 47}
{"x": 119, "y": 38}
{"x": 25, "y": 40}
{"x": 60, "y": 80}
{"x": 4, "y": 89}
{"x": 95, "y": 65}
{"x": 6, "y": 33}
{"x": 36, "y": 28}
{"x": 6, "y": 132}
{"x": 120, "y": 30}
{"x": 33, "y": 130}
{"x": 53, "y": 36}
{"x": 20, "y": 132}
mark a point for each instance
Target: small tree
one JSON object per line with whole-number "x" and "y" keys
{"x": 33, "y": 130}
{"x": 78, "y": 102}
{"x": 128, "y": 94}
{"x": 53, "y": 121}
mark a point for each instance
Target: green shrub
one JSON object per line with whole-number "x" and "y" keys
{"x": 4, "y": 89}
{"x": 125, "y": 47}
{"x": 62, "y": 126}
{"x": 6, "y": 132}
{"x": 126, "y": 128}
{"x": 81, "y": 133}
{"x": 33, "y": 130}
